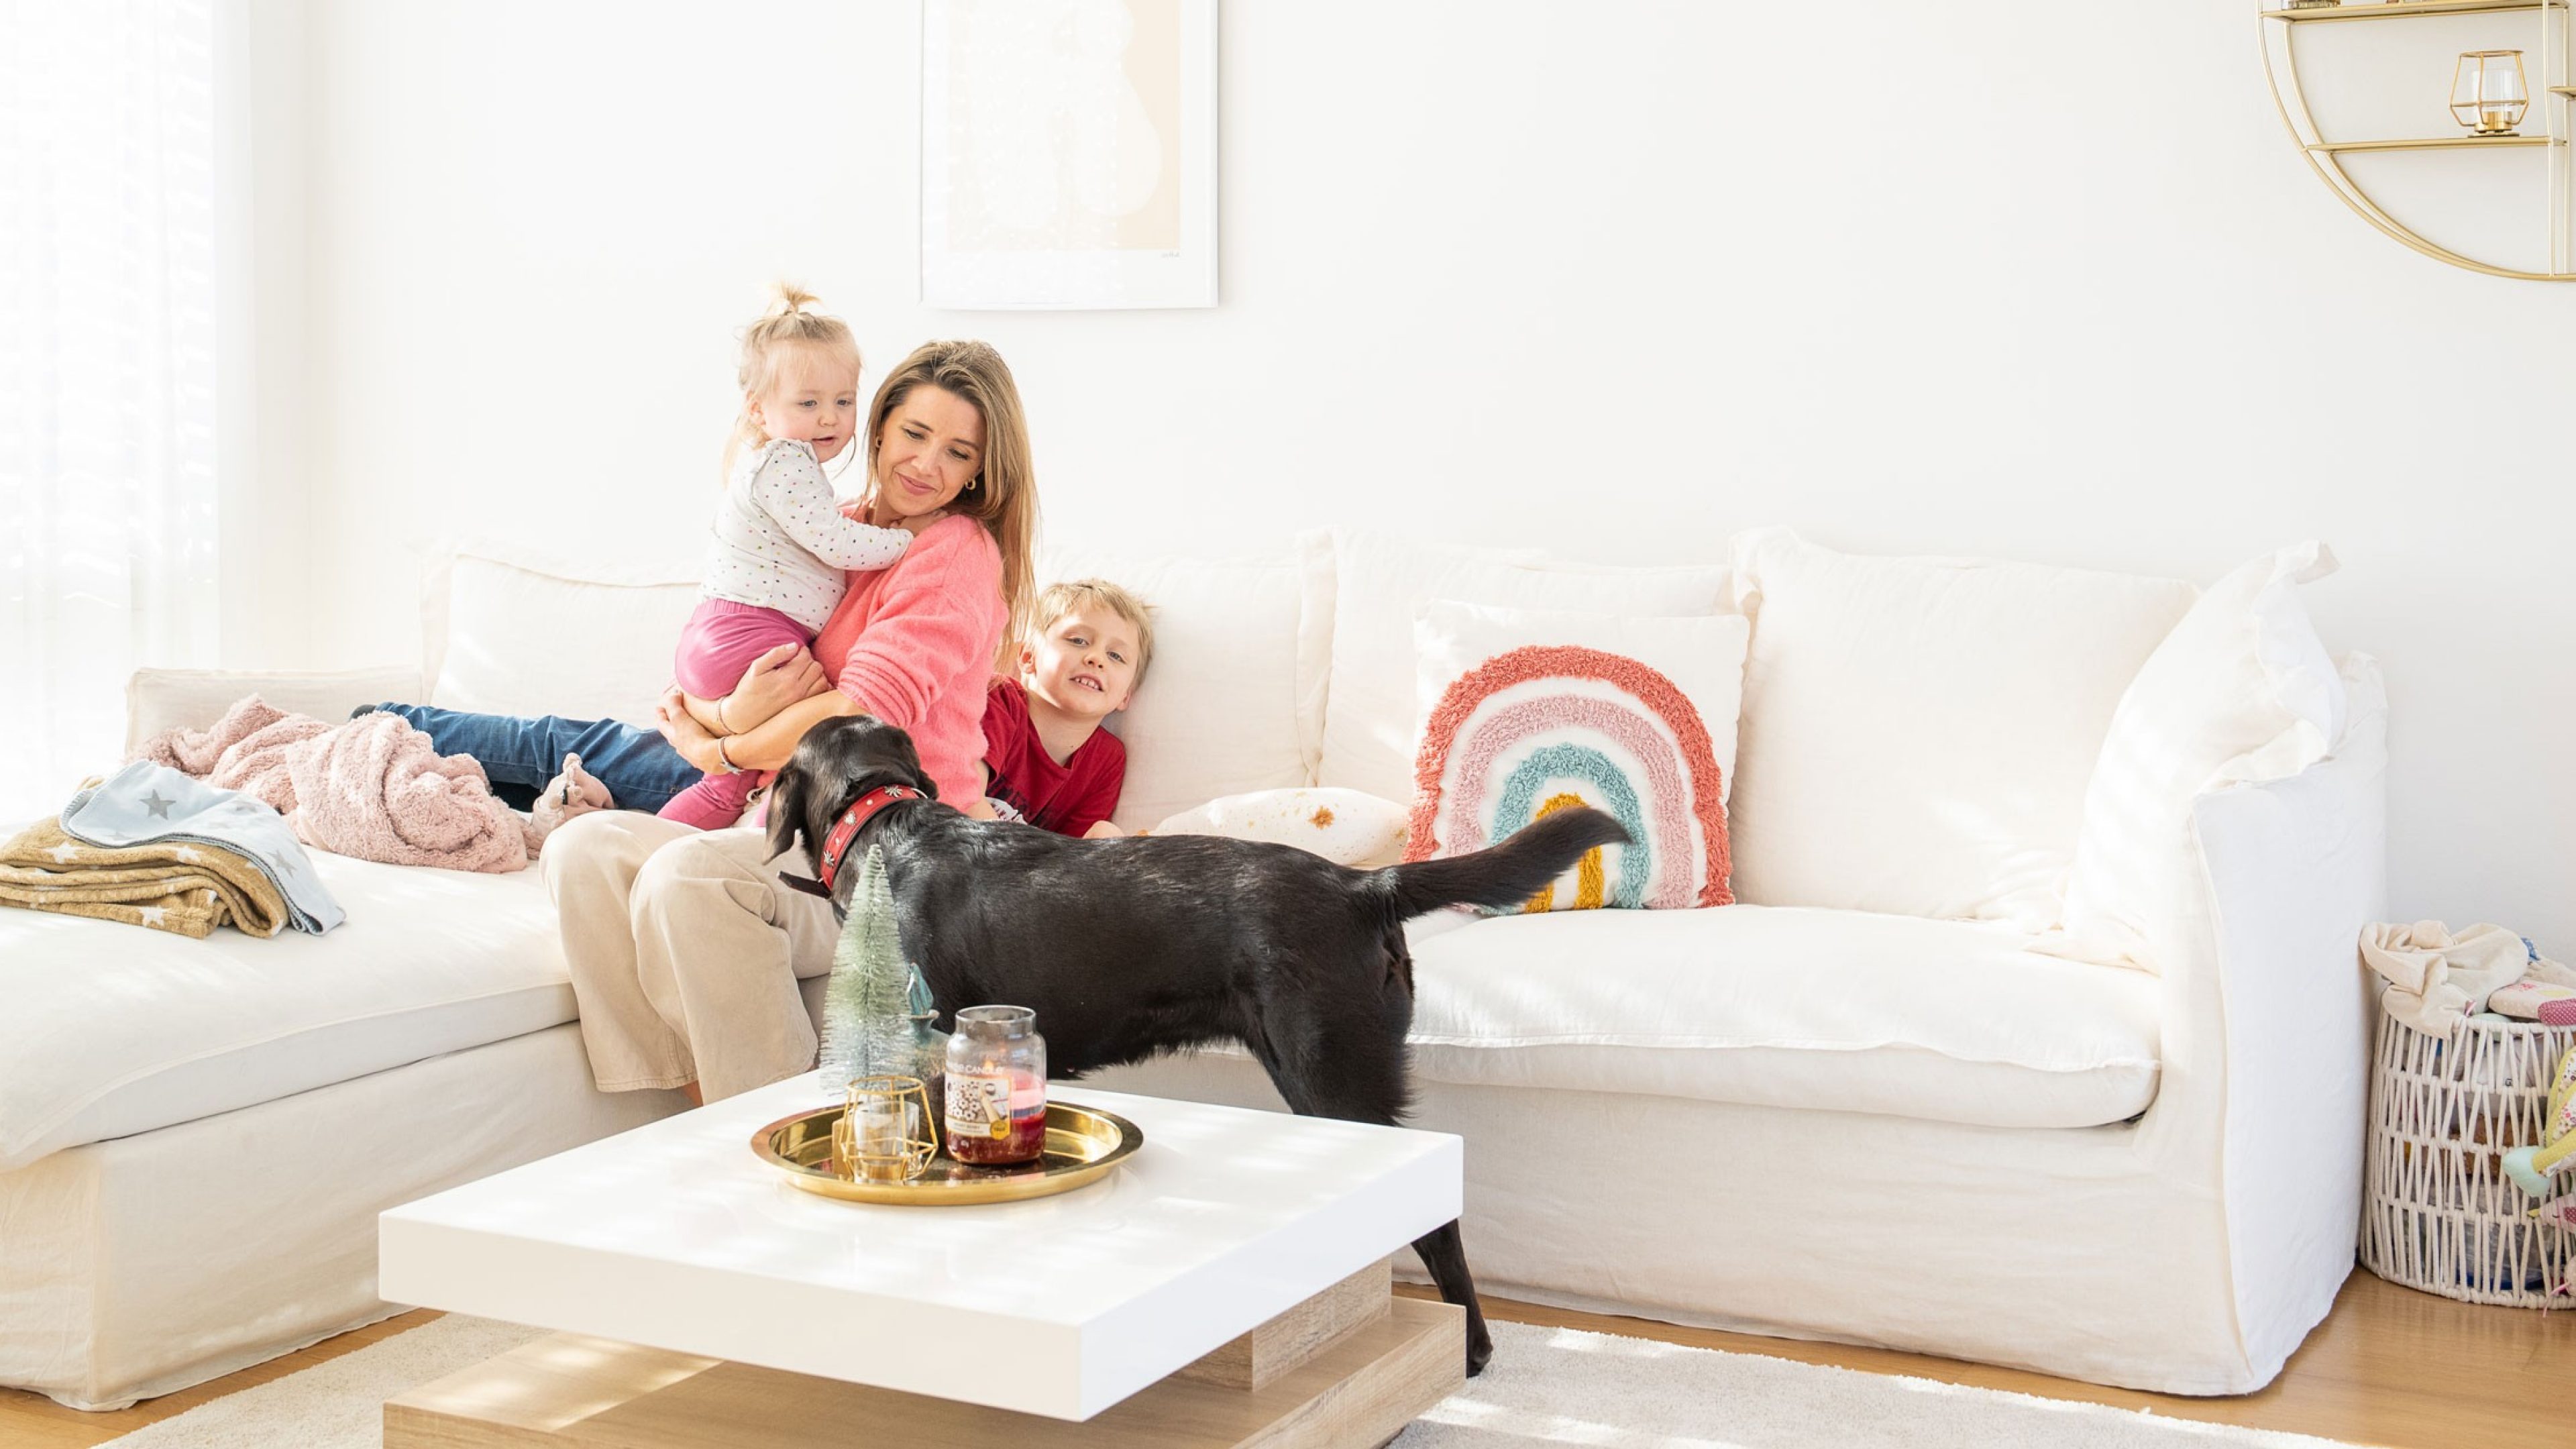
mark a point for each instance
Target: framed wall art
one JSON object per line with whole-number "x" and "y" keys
{"x": 1068, "y": 153}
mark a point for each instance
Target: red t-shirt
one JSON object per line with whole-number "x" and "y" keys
{"x": 1069, "y": 798}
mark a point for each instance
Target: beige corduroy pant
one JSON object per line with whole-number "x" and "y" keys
{"x": 685, "y": 949}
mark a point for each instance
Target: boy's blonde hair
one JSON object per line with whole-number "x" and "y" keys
{"x": 1062, "y": 599}
{"x": 788, "y": 324}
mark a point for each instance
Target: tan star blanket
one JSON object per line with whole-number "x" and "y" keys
{"x": 186, "y": 887}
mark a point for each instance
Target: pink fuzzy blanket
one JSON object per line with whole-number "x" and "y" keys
{"x": 371, "y": 788}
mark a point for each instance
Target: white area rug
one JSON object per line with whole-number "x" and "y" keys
{"x": 1546, "y": 1386}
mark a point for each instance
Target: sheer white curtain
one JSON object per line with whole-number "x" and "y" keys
{"x": 107, "y": 396}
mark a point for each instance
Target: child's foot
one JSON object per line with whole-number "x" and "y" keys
{"x": 574, "y": 792}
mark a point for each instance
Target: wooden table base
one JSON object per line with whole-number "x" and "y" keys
{"x": 1347, "y": 1367}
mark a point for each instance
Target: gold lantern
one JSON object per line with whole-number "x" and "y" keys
{"x": 2488, "y": 94}
{"x": 885, "y": 1133}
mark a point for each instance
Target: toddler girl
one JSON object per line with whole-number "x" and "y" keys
{"x": 781, "y": 549}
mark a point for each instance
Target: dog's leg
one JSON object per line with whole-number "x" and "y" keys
{"x": 1350, "y": 1069}
{"x": 1446, "y": 1257}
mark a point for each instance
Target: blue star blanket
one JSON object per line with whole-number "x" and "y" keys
{"x": 145, "y": 803}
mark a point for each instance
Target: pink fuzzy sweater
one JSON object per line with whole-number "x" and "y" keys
{"x": 913, "y": 644}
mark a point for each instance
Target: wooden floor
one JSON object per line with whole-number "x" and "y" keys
{"x": 2390, "y": 1366}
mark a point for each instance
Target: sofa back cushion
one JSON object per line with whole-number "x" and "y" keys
{"x": 2240, "y": 690}
{"x": 166, "y": 699}
{"x": 1217, "y": 712}
{"x": 507, "y": 630}
{"x": 1918, "y": 733}
{"x": 1380, "y": 582}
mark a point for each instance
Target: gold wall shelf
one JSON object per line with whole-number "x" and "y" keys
{"x": 2437, "y": 143}
{"x": 2325, "y": 156}
{"x": 2407, "y": 9}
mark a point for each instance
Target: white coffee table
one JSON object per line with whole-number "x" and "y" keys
{"x": 1228, "y": 1284}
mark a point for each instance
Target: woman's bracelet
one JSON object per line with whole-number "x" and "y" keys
{"x": 730, "y": 768}
{"x": 722, "y": 728}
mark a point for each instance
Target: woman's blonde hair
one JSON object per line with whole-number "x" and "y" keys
{"x": 1004, "y": 494}
{"x": 786, "y": 326}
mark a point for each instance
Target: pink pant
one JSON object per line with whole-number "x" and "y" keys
{"x": 716, "y": 646}
{"x": 722, "y": 638}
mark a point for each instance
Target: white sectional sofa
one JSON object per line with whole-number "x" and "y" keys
{"x": 1813, "y": 1113}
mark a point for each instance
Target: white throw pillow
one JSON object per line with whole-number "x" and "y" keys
{"x": 1522, "y": 709}
{"x": 1918, "y": 733}
{"x": 2241, "y": 690}
{"x": 1343, "y": 826}
{"x": 1380, "y": 581}
{"x": 1217, "y": 712}
{"x": 507, "y": 630}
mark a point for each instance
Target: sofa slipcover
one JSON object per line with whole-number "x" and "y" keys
{"x": 116, "y": 1030}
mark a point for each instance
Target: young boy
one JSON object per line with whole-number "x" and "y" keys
{"x": 1046, "y": 759}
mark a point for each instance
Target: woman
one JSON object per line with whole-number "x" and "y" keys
{"x": 684, "y": 946}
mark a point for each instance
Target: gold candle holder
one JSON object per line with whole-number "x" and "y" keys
{"x": 885, "y": 1133}
{"x": 2488, "y": 92}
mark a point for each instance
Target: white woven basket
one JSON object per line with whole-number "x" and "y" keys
{"x": 2442, "y": 1215}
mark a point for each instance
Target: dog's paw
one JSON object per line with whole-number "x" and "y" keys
{"x": 1480, "y": 1349}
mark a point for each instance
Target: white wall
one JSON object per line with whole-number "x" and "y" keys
{"x": 2043, "y": 281}
{"x": 264, "y": 517}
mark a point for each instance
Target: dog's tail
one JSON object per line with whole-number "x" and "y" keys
{"x": 1506, "y": 874}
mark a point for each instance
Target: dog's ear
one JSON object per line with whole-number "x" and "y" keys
{"x": 907, "y": 760}
{"x": 787, "y": 809}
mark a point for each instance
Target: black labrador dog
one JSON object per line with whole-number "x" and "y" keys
{"x": 1131, "y": 947}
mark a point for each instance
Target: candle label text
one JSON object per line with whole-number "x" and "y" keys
{"x": 979, "y": 1105}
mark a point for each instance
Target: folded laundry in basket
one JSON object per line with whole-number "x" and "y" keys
{"x": 148, "y": 804}
{"x": 2437, "y": 979}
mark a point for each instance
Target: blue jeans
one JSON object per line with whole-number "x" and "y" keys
{"x": 639, "y": 767}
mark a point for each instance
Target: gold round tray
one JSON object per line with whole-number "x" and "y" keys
{"x": 1081, "y": 1147}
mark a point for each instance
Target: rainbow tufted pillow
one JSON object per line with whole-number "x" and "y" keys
{"x": 1524, "y": 714}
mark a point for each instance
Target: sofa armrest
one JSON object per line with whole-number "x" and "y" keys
{"x": 163, "y": 699}
{"x": 2268, "y": 1016}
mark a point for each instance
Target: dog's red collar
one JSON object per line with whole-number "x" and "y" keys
{"x": 846, "y": 829}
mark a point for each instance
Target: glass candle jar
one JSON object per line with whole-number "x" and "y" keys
{"x": 996, "y": 1085}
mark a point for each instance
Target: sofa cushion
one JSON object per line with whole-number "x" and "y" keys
{"x": 507, "y": 630}
{"x": 1379, "y": 582}
{"x": 1949, "y": 1021}
{"x": 1217, "y": 712}
{"x": 112, "y": 1030}
{"x": 1918, "y": 732}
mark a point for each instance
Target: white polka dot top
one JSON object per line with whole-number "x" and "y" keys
{"x": 780, "y": 540}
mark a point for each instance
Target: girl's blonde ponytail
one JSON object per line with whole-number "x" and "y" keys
{"x": 787, "y": 323}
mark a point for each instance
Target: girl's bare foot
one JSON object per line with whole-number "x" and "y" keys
{"x": 696, "y": 1098}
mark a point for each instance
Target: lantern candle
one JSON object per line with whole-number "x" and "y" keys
{"x": 2488, "y": 92}
{"x": 996, "y": 1087}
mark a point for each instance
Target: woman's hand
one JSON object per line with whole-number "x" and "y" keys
{"x": 686, "y": 735}
{"x": 774, "y": 681}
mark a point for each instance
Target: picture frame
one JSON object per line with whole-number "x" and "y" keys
{"x": 1068, "y": 154}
